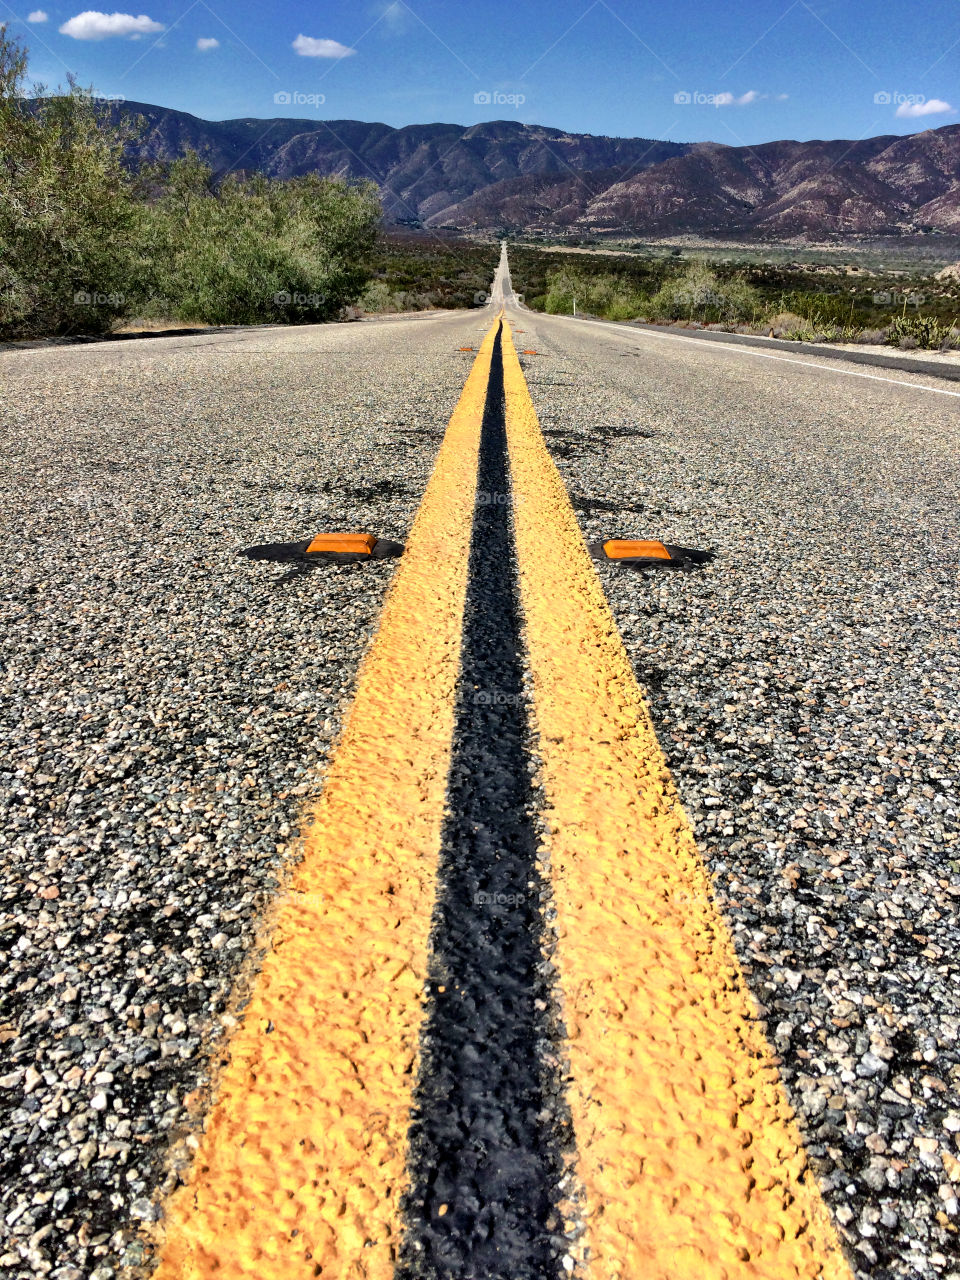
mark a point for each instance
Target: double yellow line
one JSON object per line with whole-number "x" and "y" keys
{"x": 689, "y": 1159}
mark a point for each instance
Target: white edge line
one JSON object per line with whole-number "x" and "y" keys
{"x": 742, "y": 349}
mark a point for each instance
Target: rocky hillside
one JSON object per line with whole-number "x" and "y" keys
{"x": 423, "y": 170}
{"x": 503, "y": 175}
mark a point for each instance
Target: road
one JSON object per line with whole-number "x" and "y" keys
{"x": 172, "y": 711}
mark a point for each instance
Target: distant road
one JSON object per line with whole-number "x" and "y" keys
{"x": 170, "y": 708}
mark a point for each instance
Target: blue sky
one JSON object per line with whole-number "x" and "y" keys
{"x": 740, "y": 72}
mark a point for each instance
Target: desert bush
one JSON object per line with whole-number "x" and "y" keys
{"x": 563, "y": 287}
{"x": 422, "y": 269}
{"x": 67, "y": 208}
{"x": 917, "y": 331}
{"x": 787, "y": 324}
{"x": 816, "y": 328}
{"x": 253, "y": 250}
{"x": 624, "y": 307}
{"x": 872, "y": 337}
{"x": 377, "y": 297}
{"x": 607, "y": 295}
{"x": 86, "y": 241}
{"x": 824, "y": 310}
{"x": 699, "y": 294}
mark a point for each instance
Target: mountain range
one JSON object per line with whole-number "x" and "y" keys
{"x": 504, "y": 176}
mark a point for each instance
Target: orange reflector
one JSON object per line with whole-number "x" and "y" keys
{"x": 352, "y": 543}
{"x": 464, "y": 348}
{"x": 528, "y": 353}
{"x": 624, "y": 549}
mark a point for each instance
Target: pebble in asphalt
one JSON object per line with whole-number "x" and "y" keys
{"x": 805, "y": 687}
{"x": 167, "y": 709}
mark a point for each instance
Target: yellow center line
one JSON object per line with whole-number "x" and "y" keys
{"x": 302, "y": 1162}
{"x": 689, "y": 1155}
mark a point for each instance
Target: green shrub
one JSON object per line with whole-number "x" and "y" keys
{"x": 823, "y": 309}
{"x": 67, "y": 209}
{"x": 699, "y": 294}
{"x": 918, "y": 331}
{"x": 607, "y": 295}
{"x": 562, "y": 290}
{"x": 86, "y": 242}
{"x": 253, "y": 250}
{"x": 787, "y": 324}
{"x": 377, "y": 297}
{"x": 423, "y": 269}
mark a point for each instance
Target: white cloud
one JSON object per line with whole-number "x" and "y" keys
{"x": 752, "y": 95}
{"x": 93, "y": 25}
{"x": 207, "y": 42}
{"x": 38, "y": 15}
{"x": 932, "y": 107}
{"x": 310, "y": 47}
{"x": 722, "y": 99}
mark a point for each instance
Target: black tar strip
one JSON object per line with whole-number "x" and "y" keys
{"x": 489, "y": 1126}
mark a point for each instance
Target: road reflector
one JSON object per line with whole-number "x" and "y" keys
{"x": 647, "y": 553}
{"x": 347, "y": 548}
{"x": 529, "y": 353}
{"x": 625, "y": 549}
{"x": 464, "y": 348}
{"x": 360, "y": 543}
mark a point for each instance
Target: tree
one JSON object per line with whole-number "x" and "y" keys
{"x": 250, "y": 250}
{"x": 85, "y": 239}
{"x": 67, "y": 207}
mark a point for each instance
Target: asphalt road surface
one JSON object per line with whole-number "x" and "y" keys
{"x": 171, "y": 710}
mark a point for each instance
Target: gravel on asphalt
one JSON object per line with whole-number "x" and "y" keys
{"x": 805, "y": 687}
{"x": 168, "y": 707}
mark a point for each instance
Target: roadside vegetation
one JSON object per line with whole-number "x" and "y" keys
{"x": 87, "y": 245}
{"x": 806, "y": 304}
{"x": 248, "y": 250}
{"x": 419, "y": 271}
{"x": 90, "y": 244}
